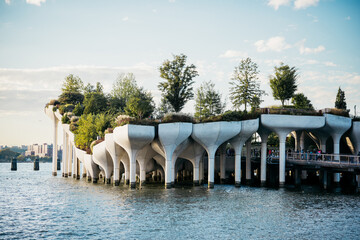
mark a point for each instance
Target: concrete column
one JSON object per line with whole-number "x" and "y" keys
{"x": 325, "y": 179}
{"x": 168, "y": 170}
{"x": 196, "y": 173}
{"x": 65, "y": 156}
{"x": 127, "y": 176}
{"x": 77, "y": 168}
{"x": 336, "y": 139}
{"x": 302, "y": 140}
{"x": 222, "y": 164}
{"x": 211, "y": 169}
{"x": 201, "y": 170}
{"x": 132, "y": 172}
{"x": 142, "y": 174}
{"x": 248, "y": 161}
{"x": 323, "y": 143}
{"x": 83, "y": 170}
{"x": 74, "y": 162}
{"x": 117, "y": 175}
{"x": 238, "y": 167}
{"x": 55, "y": 147}
{"x": 297, "y": 177}
{"x": 303, "y": 175}
{"x": 282, "y": 140}
{"x": 70, "y": 156}
{"x": 263, "y": 160}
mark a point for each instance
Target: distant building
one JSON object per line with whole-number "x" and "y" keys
{"x": 43, "y": 150}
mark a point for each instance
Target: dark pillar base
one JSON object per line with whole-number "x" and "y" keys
{"x": 167, "y": 185}
{"x": 95, "y": 180}
{"x": 117, "y": 183}
{"x": 222, "y": 180}
{"x": 133, "y": 185}
{"x": 142, "y": 182}
{"x": 74, "y": 175}
{"x": 70, "y": 173}
{"x": 108, "y": 181}
{"x": 210, "y": 184}
{"x": 263, "y": 184}
{"x": 84, "y": 175}
{"x": 89, "y": 179}
{"x": 127, "y": 181}
{"x": 65, "y": 175}
{"x": 281, "y": 184}
{"x": 248, "y": 181}
{"x": 54, "y": 173}
{"x": 196, "y": 183}
{"x": 77, "y": 177}
{"x": 172, "y": 184}
{"x": 237, "y": 184}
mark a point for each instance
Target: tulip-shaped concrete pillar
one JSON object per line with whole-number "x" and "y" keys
{"x": 103, "y": 158}
{"x": 143, "y": 158}
{"x": 171, "y": 135}
{"x": 111, "y": 148}
{"x": 248, "y": 128}
{"x": 92, "y": 168}
{"x": 50, "y": 113}
{"x": 65, "y": 155}
{"x": 355, "y": 136}
{"x": 133, "y": 138}
{"x": 283, "y": 125}
{"x": 264, "y": 134}
{"x": 194, "y": 153}
{"x": 211, "y": 136}
{"x": 222, "y": 150}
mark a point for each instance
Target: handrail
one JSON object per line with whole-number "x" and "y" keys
{"x": 324, "y": 158}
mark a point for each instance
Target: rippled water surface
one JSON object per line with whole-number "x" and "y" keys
{"x": 35, "y": 205}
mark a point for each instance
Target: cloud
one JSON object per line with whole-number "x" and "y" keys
{"x": 35, "y": 2}
{"x": 125, "y": 19}
{"x": 348, "y": 18}
{"x": 172, "y": 1}
{"x": 302, "y": 4}
{"x": 8, "y": 2}
{"x": 314, "y": 18}
{"x": 306, "y": 50}
{"x": 276, "y": 44}
{"x": 234, "y": 54}
{"x": 277, "y": 3}
{"x": 330, "y": 64}
{"x": 273, "y": 62}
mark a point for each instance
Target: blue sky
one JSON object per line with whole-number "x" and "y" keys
{"x": 42, "y": 41}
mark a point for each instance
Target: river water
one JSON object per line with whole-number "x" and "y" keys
{"x": 36, "y": 205}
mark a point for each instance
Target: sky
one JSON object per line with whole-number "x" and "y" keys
{"x": 42, "y": 41}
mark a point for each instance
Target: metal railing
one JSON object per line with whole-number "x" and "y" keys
{"x": 327, "y": 159}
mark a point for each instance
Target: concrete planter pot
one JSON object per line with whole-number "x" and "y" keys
{"x": 103, "y": 158}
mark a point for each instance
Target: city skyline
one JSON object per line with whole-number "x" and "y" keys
{"x": 44, "y": 41}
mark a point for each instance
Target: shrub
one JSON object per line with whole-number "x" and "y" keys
{"x": 74, "y": 119}
{"x": 66, "y": 108}
{"x": 54, "y": 109}
{"x": 177, "y": 117}
{"x": 356, "y": 119}
{"x": 65, "y": 119}
{"x": 216, "y": 118}
{"x": 338, "y": 112}
{"x": 232, "y": 116}
{"x": 54, "y": 102}
{"x": 73, "y": 127}
{"x": 122, "y": 120}
{"x": 78, "y": 110}
{"x": 71, "y": 98}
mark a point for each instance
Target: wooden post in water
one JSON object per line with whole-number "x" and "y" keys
{"x": 36, "y": 164}
{"x": 14, "y": 164}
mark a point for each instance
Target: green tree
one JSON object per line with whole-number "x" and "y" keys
{"x": 283, "y": 84}
{"x": 140, "y": 104}
{"x": 124, "y": 87}
{"x": 86, "y": 131}
{"x": 178, "y": 78}
{"x": 71, "y": 91}
{"x": 301, "y": 101}
{"x": 208, "y": 101}
{"x": 340, "y": 101}
{"x": 78, "y": 110}
{"x": 245, "y": 88}
{"x": 95, "y": 101}
{"x": 102, "y": 122}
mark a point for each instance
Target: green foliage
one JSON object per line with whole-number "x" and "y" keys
{"x": 66, "y": 108}
{"x": 300, "y": 101}
{"x": 65, "y": 119}
{"x": 140, "y": 104}
{"x": 208, "y": 101}
{"x": 229, "y": 116}
{"x": 78, "y": 110}
{"x": 124, "y": 87}
{"x": 8, "y": 154}
{"x": 71, "y": 98}
{"x": 54, "y": 102}
{"x": 122, "y": 120}
{"x": 177, "y": 117}
{"x": 273, "y": 140}
{"x": 115, "y": 105}
{"x": 94, "y": 103}
{"x": 232, "y": 116}
{"x": 71, "y": 90}
{"x": 86, "y": 132}
{"x": 72, "y": 84}
{"x": 245, "y": 89}
{"x": 340, "y": 101}
{"x": 178, "y": 78}
{"x": 102, "y": 122}
{"x": 283, "y": 84}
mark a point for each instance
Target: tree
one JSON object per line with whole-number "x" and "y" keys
{"x": 71, "y": 90}
{"x": 102, "y": 122}
{"x": 176, "y": 89}
{"x": 245, "y": 88}
{"x": 301, "y": 101}
{"x": 95, "y": 101}
{"x": 283, "y": 84}
{"x": 340, "y": 101}
{"x": 208, "y": 101}
{"x": 140, "y": 104}
{"x": 86, "y": 132}
{"x": 124, "y": 87}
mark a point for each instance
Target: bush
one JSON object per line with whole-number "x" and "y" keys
{"x": 66, "y": 108}
{"x": 338, "y": 112}
{"x": 71, "y": 98}
{"x": 356, "y": 119}
{"x": 232, "y": 116}
{"x": 177, "y": 117}
{"x": 122, "y": 120}
{"x": 74, "y": 119}
{"x": 78, "y": 110}
{"x": 73, "y": 127}
{"x": 65, "y": 119}
{"x": 54, "y": 109}
{"x": 54, "y": 102}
